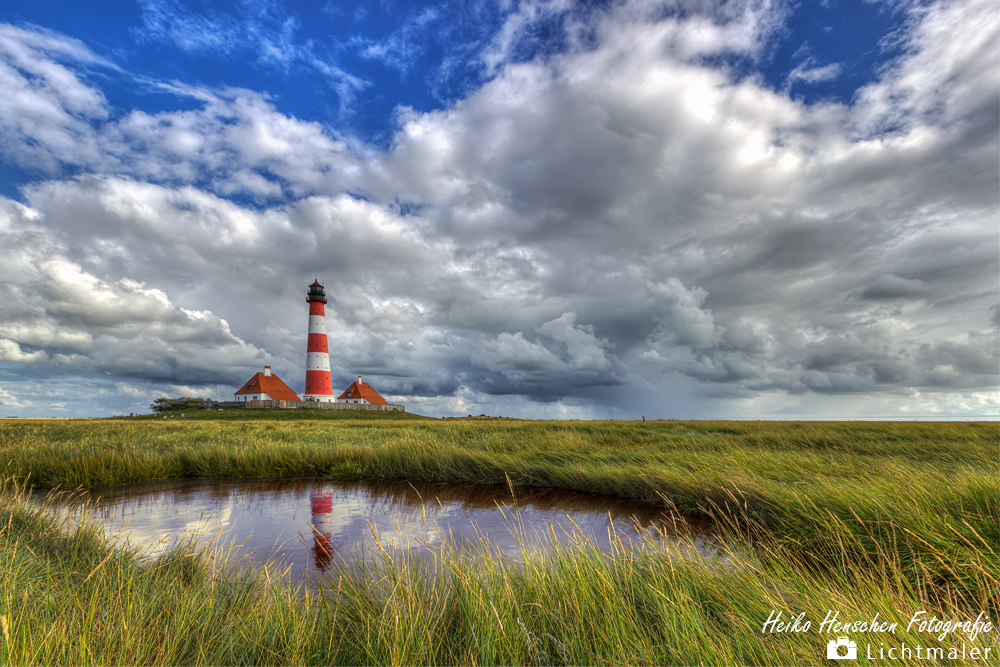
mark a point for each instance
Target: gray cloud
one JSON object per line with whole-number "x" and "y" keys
{"x": 890, "y": 286}
{"x": 566, "y": 358}
{"x": 123, "y": 329}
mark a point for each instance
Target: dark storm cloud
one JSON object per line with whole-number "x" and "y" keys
{"x": 888, "y": 286}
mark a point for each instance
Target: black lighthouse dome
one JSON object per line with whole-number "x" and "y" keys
{"x": 316, "y": 293}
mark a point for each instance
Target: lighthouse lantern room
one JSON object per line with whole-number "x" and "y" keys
{"x": 319, "y": 386}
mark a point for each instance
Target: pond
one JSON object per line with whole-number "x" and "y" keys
{"x": 303, "y": 524}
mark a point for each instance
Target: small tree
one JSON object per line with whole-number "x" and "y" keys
{"x": 164, "y": 404}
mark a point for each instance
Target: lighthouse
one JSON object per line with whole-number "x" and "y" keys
{"x": 319, "y": 387}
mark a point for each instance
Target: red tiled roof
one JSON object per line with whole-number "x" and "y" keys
{"x": 365, "y": 391}
{"x": 270, "y": 385}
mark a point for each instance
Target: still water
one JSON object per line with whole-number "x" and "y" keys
{"x": 304, "y": 524}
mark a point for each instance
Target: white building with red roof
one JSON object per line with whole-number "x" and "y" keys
{"x": 361, "y": 393}
{"x": 266, "y": 386}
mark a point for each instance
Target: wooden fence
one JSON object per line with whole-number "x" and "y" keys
{"x": 308, "y": 404}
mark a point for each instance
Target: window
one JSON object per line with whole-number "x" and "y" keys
{"x": 348, "y": 393}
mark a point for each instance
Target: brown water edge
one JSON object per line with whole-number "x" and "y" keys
{"x": 303, "y": 524}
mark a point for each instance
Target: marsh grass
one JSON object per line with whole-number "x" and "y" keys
{"x": 68, "y": 596}
{"x": 648, "y": 605}
{"x": 936, "y": 481}
{"x": 862, "y": 518}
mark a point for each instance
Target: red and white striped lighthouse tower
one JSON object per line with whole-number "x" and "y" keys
{"x": 319, "y": 387}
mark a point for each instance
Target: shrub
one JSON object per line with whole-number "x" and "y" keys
{"x": 164, "y": 404}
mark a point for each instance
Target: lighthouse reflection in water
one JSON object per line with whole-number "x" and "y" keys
{"x": 321, "y": 503}
{"x": 308, "y": 526}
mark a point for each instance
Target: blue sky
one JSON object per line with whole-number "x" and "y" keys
{"x": 539, "y": 208}
{"x": 351, "y": 64}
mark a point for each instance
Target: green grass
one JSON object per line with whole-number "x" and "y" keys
{"x": 863, "y": 517}
{"x": 647, "y": 606}
{"x": 68, "y": 597}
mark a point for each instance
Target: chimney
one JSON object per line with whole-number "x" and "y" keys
{"x": 267, "y": 371}
{"x": 359, "y": 380}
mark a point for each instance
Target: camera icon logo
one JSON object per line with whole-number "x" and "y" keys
{"x": 833, "y": 648}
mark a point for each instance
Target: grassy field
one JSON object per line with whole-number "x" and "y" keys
{"x": 857, "y": 517}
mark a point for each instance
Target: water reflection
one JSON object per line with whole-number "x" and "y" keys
{"x": 321, "y": 503}
{"x": 303, "y": 524}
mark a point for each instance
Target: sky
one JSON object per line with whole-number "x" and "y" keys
{"x": 752, "y": 209}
